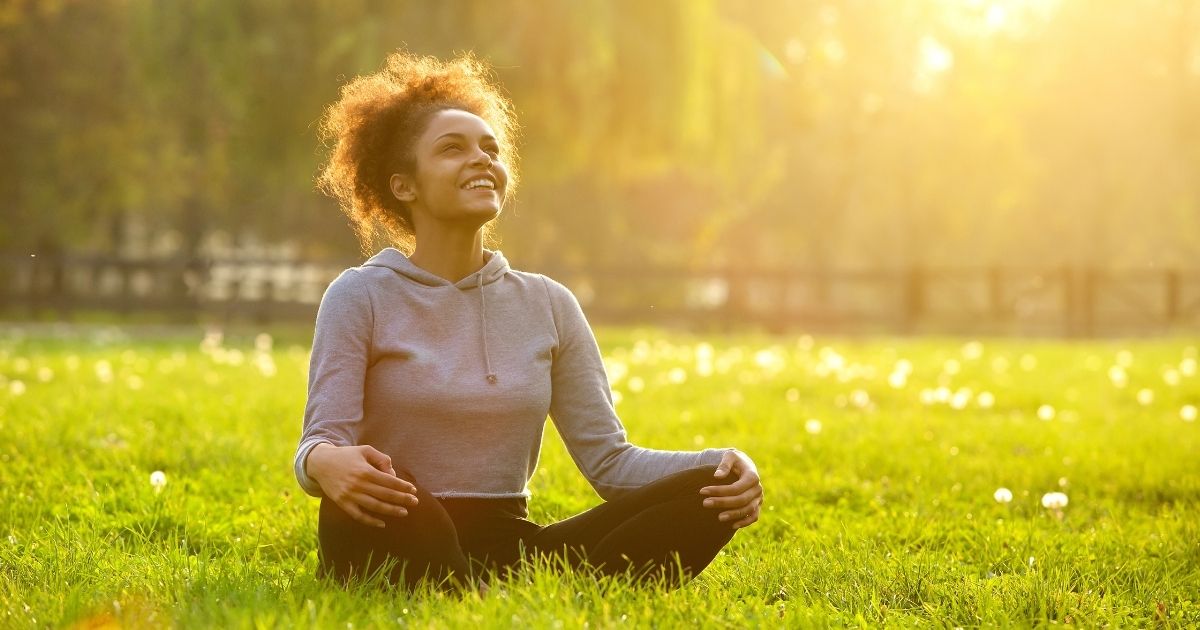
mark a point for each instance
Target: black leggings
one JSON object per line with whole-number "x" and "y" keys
{"x": 660, "y": 531}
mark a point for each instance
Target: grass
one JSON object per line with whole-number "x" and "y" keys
{"x": 880, "y": 494}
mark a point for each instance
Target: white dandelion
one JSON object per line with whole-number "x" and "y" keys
{"x": 677, "y": 375}
{"x": 813, "y": 426}
{"x": 16, "y": 387}
{"x": 1188, "y": 413}
{"x": 1002, "y": 495}
{"x": 263, "y": 342}
{"x": 158, "y": 479}
{"x": 104, "y": 371}
{"x": 1028, "y": 362}
{"x": 1054, "y": 500}
{"x": 1124, "y": 358}
{"x": 1187, "y": 367}
{"x": 1145, "y": 396}
{"x": 985, "y": 400}
{"x": 1117, "y": 375}
{"x": 1046, "y": 412}
{"x": 961, "y": 398}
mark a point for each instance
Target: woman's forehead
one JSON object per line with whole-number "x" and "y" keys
{"x": 456, "y": 121}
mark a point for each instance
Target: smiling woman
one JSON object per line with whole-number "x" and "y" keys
{"x": 433, "y": 371}
{"x": 375, "y": 128}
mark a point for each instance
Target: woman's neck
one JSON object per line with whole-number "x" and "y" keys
{"x": 449, "y": 255}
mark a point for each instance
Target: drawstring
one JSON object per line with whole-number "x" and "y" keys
{"x": 491, "y": 376}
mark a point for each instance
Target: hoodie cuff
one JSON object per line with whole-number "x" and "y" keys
{"x": 310, "y": 485}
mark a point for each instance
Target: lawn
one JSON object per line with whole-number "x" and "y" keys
{"x": 886, "y": 463}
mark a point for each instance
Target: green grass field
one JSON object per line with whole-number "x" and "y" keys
{"x": 881, "y": 460}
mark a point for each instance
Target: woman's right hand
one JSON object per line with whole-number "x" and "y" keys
{"x": 358, "y": 479}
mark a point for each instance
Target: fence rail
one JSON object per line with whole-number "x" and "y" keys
{"x": 1071, "y": 301}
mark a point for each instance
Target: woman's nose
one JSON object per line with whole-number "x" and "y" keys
{"x": 482, "y": 157}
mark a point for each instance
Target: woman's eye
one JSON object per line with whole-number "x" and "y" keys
{"x": 451, "y": 146}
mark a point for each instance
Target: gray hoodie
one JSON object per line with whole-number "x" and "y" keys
{"x": 454, "y": 381}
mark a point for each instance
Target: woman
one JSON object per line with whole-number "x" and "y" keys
{"x": 432, "y": 374}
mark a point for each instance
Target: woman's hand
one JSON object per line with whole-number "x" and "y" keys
{"x": 740, "y": 500}
{"x": 358, "y": 479}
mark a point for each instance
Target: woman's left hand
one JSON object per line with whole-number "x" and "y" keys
{"x": 740, "y": 500}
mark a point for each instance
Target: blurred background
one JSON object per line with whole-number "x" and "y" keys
{"x": 994, "y": 166}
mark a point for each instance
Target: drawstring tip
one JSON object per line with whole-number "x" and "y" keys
{"x": 491, "y": 378}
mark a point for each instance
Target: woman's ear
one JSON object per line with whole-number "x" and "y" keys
{"x": 402, "y": 188}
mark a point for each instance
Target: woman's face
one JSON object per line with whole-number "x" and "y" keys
{"x": 458, "y": 176}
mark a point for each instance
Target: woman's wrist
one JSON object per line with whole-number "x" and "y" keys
{"x": 312, "y": 463}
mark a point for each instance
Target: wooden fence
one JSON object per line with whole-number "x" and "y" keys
{"x": 1067, "y": 301}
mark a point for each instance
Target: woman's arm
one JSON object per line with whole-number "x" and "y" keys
{"x": 336, "y": 372}
{"x": 581, "y": 407}
{"x": 329, "y": 462}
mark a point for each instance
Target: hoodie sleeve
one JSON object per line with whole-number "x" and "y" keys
{"x": 582, "y": 410}
{"x": 336, "y": 372}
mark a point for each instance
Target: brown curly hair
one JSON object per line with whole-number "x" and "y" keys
{"x": 375, "y": 123}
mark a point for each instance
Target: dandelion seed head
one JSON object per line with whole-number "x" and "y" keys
{"x": 1117, "y": 375}
{"x": 1046, "y": 412}
{"x": 860, "y": 398}
{"x": 16, "y": 387}
{"x": 972, "y": 350}
{"x": 1187, "y": 366}
{"x": 1054, "y": 500}
{"x": 263, "y": 342}
{"x": 1145, "y": 396}
{"x": 897, "y": 380}
{"x": 636, "y": 384}
{"x": 1188, "y": 413}
{"x": 960, "y": 399}
{"x": 677, "y": 375}
{"x": 1028, "y": 362}
{"x": 158, "y": 479}
{"x": 985, "y": 400}
{"x": 1124, "y": 358}
{"x": 1002, "y": 495}
{"x": 813, "y": 426}
{"x": 104, "y": 372}
{"x": 1171, "y": 377}
{"x": 616, "y": 397}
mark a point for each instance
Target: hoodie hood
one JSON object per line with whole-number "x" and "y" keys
{"x": 494, "y": 268}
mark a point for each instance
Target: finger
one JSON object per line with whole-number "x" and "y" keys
{"x": 741, "y": 485}
{"x": 735, "y": 501}
{"x": 728, "y": 459}
{"x": 390, "y": 496}
{"x": 749, "y": 520}
{"x": 377, "y": 458}
{"x": 381, "y": 478}
{"x": 351, "y": 508}
{"x": 741, "y": 511}
{"x": 368, "y": 502}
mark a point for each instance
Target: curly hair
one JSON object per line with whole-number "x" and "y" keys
{"x": 374, "y": 125}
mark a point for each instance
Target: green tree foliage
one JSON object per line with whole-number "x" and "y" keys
{"x": 810, "y": 133}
